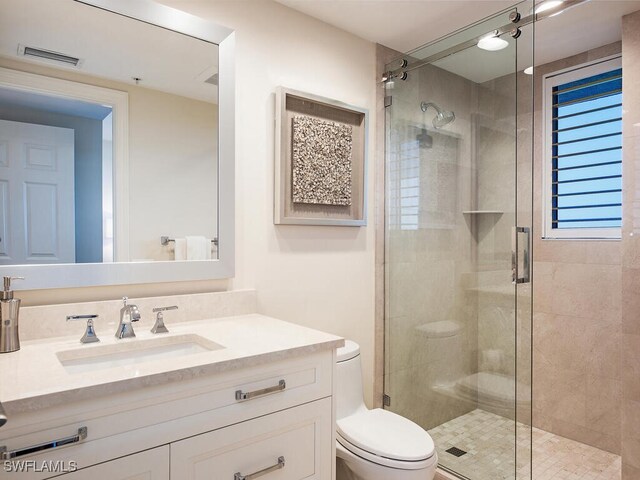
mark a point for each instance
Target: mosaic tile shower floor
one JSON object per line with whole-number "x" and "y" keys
{"x": 488, "y": 440}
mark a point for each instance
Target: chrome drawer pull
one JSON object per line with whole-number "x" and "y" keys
{"x": 259, "y": 473}
{"x": 61, "y": 442}
{"x": 240, "y": 395}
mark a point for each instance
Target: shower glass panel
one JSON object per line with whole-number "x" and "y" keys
{"x": 458, "y": 183}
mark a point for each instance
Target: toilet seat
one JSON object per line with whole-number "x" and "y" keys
{"x": 386, "y": 438}
{"x": 382, "y": 461}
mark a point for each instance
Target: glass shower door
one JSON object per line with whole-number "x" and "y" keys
{"x": 458, "y": 218}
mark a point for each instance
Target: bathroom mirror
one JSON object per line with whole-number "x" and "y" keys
{"x": 116, "y": 143}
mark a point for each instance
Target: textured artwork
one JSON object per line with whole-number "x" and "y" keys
{"x": 321, "y": 161}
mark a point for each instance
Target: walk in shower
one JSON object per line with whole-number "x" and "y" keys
{"x": 457, "y": 259}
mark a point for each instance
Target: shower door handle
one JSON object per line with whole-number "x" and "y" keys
{"x": 526, "y": 259}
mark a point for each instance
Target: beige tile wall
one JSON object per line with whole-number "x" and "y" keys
{"x": 577, "y": 317}
{"x": 630, "y": 337}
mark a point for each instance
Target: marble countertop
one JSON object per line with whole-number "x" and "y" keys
{"x": 38, "y": 379}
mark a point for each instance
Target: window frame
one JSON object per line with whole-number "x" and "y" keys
{"x": 549, "y": 81}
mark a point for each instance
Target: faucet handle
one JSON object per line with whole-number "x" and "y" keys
{"x": 162, "y": 309}
{"x": 90, "y": 333}
{"x": 159, "y": 326}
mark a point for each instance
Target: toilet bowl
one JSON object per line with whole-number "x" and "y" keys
{"x": 376, "y": 444}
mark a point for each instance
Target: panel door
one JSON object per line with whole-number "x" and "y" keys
{"x": 37, "y": 194}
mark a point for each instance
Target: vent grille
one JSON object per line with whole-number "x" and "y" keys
{"x": 48, "y": 55}
{"x": 456, "y": 452}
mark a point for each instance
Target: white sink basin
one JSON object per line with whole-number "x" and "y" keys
{"x": 133, "y": 352}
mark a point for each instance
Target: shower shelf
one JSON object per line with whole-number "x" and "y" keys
{"x": 477, "y": 212}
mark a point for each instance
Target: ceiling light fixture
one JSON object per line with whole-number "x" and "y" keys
{"x": 528, "y": 71}
{"x": 492, "y": 42}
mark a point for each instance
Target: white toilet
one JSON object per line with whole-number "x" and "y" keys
{"x": 376, "y": 444}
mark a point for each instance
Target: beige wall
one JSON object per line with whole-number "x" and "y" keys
{"x": 322, "y": 277}
{"x": 631, "y": 251}
{"x": 173, "y": 174}
{"x": 577, "y": 322}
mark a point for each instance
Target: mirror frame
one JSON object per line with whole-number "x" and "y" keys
{"x": 102, "y": 274}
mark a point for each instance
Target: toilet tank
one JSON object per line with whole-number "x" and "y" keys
{"x": 349, "y": 394}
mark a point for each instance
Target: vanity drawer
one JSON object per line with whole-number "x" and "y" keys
{"x": 292, "y": 444}
{"x": 150, "y": 465}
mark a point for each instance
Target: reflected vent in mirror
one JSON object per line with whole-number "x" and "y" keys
{"x": 213, "y": 79}
{"x": 48, "y": 55}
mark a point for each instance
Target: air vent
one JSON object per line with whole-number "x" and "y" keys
{"x": 48, "y": 55}
{"x": 213, "y": 79}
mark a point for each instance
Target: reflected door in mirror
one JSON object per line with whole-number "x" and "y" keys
{"x": 36, "y": 194}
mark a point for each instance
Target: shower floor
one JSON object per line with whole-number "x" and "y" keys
{"x": 488, "y": 440}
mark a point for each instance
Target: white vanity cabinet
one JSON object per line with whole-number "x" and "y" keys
{"x": 196, "y": 426}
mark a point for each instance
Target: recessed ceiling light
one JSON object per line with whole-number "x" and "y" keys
{"x": 547, "y": 5}
{"x": 492, "y": 43}
{"x": 528, "y": 70}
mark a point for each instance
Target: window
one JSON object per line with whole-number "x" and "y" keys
{"x": 583, "y": 151}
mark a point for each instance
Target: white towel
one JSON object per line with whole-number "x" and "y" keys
{"x": 198, "y": 248}
{"x": 180, "y": 249}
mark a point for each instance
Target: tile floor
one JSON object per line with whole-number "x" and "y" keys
{"x": 488, "y": 440}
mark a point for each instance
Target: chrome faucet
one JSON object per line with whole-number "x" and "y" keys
{"x": 128, "y": 314}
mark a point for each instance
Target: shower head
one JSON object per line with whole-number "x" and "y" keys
{"x": 442, "y": 118}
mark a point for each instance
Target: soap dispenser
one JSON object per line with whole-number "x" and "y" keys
{"x": 9, "y": 312}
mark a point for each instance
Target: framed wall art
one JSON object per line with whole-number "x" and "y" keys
{"x": 321, "y": 156}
